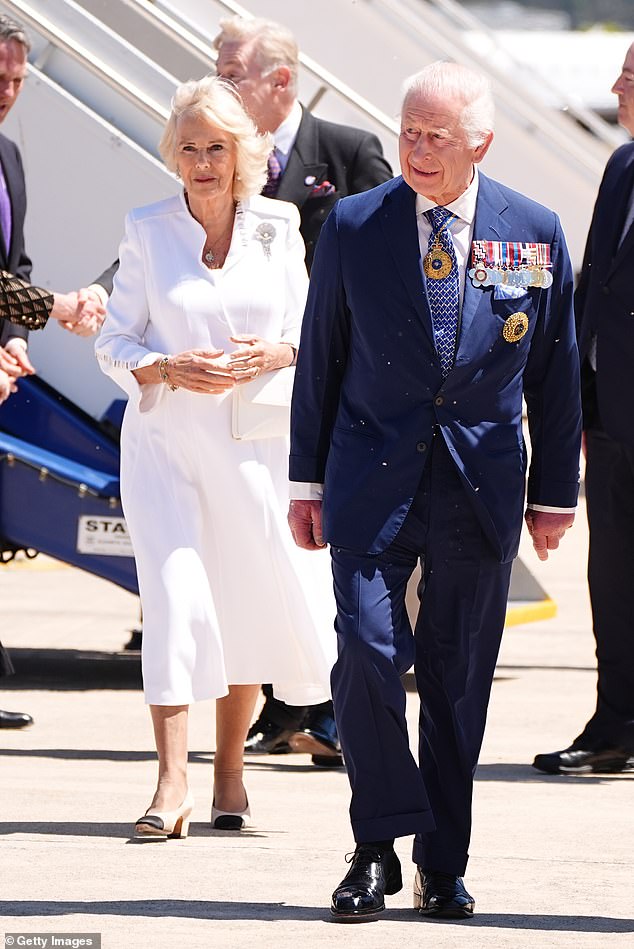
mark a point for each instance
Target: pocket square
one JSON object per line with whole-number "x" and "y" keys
{"x": 322, "y": 190}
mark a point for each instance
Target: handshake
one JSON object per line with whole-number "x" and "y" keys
{"x": 81, "y": 311}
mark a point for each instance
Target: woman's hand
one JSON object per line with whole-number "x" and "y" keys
{"x": 198, "y": 370}
{"x": 255, "y": 356}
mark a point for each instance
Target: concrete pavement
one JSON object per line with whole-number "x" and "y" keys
{"x": 551, "y": 857}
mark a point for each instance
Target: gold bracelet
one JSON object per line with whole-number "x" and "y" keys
{"x": 162, "y": 368}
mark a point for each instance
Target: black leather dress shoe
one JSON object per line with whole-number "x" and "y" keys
{"x": 360, "y": 895}
{"x": 14, "y": 719}
{"x": 319, "y": 738}
{"x": 441, "y": 895}
{"x": 266, "y": 738}
{"x": 577, "y": 760}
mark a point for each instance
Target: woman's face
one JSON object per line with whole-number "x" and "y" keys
{"x": 205, "y": 157}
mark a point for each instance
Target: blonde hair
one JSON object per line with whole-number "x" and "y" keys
{"x": 273, "y": 44}
{"x": 454, "y": 80}
{"x": 218, "y": 101}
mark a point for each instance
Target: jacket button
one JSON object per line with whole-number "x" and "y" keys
{"x": 439, "y": 400}
{"x": 605, "y": 291}
{"x": 421, "y": 446}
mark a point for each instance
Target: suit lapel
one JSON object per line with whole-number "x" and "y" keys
{"x": 303, "y": 164}
{"x": 621, "y": 197}
{"x": 398, "y": 220}
{"x": 490, "y": 225}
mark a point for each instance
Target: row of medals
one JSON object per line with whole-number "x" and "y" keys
{"x": 437, "y": 265}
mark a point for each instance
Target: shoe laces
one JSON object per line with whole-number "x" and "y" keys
{"x": 371, "y": 852}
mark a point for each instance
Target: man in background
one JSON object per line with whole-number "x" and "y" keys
{"x": 14, "y": 262}
{"x": 604, "y": 305}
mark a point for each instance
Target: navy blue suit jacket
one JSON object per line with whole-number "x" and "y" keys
{"x": 369, "y": 389}
{"x": 604, "y": 303}
{"x": 15, "y": 261}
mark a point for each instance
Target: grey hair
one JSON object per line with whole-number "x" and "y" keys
{"x": 460, "y": 82}
{"x": 11, "y": 30}
{"x": 218, "y": 101}
{"x": 274, "y": 45}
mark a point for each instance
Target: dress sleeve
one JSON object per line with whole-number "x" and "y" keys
{"x": 296, "y": 281}
{"x": 121, "y": 347}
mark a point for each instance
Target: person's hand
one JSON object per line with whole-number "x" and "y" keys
{"x": 9, "y": 364}
{"x": 547, "y": 529}
{"x": 201, "y": 370}
{"x": 80, "y": 312}
{"x": 7, "y": 386}
{"x": 255, "y": 356}
{"x": 304, "y": 520}
{"x": 17, "y": 349}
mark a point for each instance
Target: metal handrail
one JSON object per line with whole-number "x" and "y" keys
{"x": 110, "y": 77}
{"x": 587, "y": 117}
{"x": 533, "y": 116}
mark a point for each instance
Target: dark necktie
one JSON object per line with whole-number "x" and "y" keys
{"x": 441, "y": 269}
{"x": 5, "y": 212}
{"x": 274, "y": 170}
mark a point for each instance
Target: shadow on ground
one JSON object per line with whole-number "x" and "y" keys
{"x": 279, "y": 912}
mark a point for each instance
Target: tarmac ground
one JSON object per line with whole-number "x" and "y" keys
{"x": 551, "y": 856}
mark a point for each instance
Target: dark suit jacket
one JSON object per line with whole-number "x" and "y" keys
{"x": 604, "y": 304}
{"x": 369, "y": 389}
{"x": 16, "y": 260}
{"x": 350, "y": 159}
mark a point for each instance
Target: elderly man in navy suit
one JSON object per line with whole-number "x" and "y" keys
{"x": 604, "y": 305}
{"x": 436, "y": 302}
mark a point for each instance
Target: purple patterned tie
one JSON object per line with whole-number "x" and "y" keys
{"x": 5, "y": 211}
{"x": 443, "y": 292}
{"x": 274, "y": 174}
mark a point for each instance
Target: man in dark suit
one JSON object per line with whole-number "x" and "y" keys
{"x": 604, "y": 305}
{"x": 436, "y": 302}
{"x": 29, "y": 306}
{"x": 14, "y": 361}
{"x": 314, "y": 163}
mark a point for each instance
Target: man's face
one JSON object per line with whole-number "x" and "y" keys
{"x": 436, "y": 158}
{"x": 237, "y": 62}
{"x": 624, "y": 89}
{"x": 13, "y": 66}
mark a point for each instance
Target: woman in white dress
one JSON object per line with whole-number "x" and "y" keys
{"x": 209, "y": 294}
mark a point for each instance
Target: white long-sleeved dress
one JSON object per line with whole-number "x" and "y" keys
{"x": 227, "y": 597}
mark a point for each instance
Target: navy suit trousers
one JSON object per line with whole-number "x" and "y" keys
{"x": 453, "y": 647}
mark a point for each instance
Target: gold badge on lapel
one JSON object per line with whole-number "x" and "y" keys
{"x": 515, "y": 327}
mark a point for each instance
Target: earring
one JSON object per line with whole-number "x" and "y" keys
{"x": 177, "y": 173}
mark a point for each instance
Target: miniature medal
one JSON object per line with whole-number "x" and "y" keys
{"x": 515, "y": 327}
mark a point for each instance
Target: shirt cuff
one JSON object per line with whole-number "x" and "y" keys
{"x": 305, "y": 491}
{"x": 101, "y": 292}
{"x": 551, "y": 510}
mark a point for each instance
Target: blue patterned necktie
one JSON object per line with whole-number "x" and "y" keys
{"x": 274, "y": 171}
{"x": 443, "y": 292}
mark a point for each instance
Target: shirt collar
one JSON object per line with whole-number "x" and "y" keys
{"x": 463, "y": 207}
{"x": 285, "y": 134}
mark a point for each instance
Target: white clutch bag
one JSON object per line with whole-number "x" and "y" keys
{"x": 262, "y": 408}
